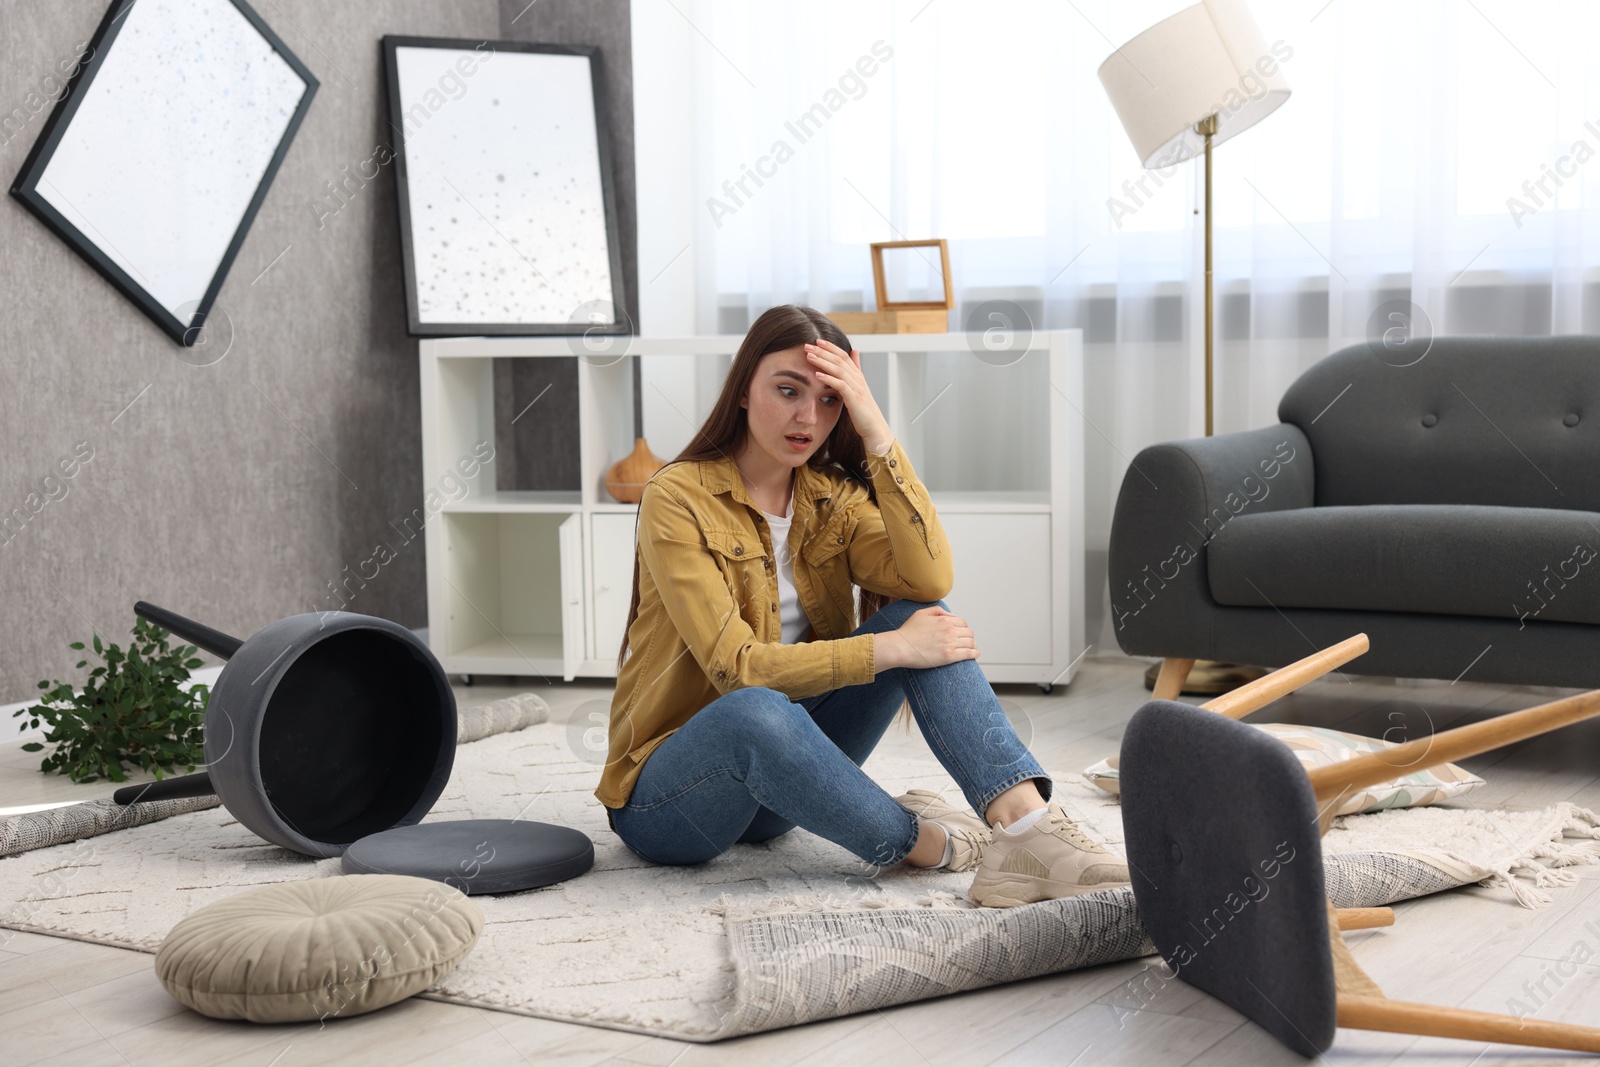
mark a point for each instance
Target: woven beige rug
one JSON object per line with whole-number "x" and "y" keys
{"x": 763, "y": 936}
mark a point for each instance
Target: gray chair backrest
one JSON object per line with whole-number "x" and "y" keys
{"x": 1222, "y": 839}
{"x": 1513, "y": 421}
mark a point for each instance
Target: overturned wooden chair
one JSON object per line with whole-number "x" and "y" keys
{"x": 1223, "y": 831}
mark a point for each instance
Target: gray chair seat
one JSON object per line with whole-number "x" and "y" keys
{"x": 1519, "y": 563}
{"x": 476, "y": 855}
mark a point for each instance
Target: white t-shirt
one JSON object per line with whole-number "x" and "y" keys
{"x": 790, "y": 613}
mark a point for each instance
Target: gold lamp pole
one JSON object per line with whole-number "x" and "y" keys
{"x": 1207, "y": 676}
{"x": 1209, "y": 60}
{"x": 1207, "y": 128}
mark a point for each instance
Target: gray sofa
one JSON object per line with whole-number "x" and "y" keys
{"x": 1449, "y": 509}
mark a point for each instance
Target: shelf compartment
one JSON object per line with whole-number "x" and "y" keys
{"x": 975, "y": 422}
{"x": 514, "y": 653}
{"x": 512, "y": 587}
{"x": 462, "y": 424}
{"x": 605, "y": 398}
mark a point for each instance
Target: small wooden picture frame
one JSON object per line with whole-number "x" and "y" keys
{"x": 881, "y": 287}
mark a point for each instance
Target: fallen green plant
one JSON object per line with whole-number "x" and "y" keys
{"x": 132, "y": 707}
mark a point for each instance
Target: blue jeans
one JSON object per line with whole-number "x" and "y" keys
{"x": 753, "y": 764}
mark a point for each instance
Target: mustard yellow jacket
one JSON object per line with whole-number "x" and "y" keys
{"x": 708, "y": 592}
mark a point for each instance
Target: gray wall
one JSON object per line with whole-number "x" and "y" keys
{"x": 241, "y": 491}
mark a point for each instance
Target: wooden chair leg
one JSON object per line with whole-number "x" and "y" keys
{"x": 1401, "y": 1017}
{"x": 1361, "y": 1004}
{"x": 1169, "y": 683}
{"x": 1364, "y": 918}
{"x": 1332, "y": 782}
{"x": 1252, "y": 696}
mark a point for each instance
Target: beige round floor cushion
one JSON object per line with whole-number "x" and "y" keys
{"x": 317, "y": 949}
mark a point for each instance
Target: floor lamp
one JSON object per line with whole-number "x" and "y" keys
{"x": 1189, "y": 82}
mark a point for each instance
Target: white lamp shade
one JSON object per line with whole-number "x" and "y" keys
{"x": 1209, "y": 59}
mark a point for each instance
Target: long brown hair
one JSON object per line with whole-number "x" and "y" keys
{"x": 727, "y": 429}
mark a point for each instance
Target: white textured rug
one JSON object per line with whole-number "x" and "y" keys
{"x": 760, "y": 937}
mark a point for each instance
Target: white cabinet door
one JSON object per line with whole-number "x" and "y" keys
{"x": 614, "y": 548}
{"x": 572, "y": 626}
{"x": 1003, "y": 583}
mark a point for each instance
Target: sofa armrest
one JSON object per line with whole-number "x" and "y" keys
{"x": 1174, "y": 499}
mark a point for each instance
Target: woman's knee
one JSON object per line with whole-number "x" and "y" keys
{"x": 760, "y": 714}
{"x": 898, "y": 611}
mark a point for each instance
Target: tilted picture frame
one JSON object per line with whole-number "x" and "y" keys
{"x": 159, "y": 153}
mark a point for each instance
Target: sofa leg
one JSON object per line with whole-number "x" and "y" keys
{"x": 1169, "y": 683}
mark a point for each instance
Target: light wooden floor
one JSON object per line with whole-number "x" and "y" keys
{"x": 68, "y": 1002}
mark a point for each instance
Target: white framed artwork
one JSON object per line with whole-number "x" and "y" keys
{"x": 507, "y": 219}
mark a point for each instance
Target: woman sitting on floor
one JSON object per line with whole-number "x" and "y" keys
{"x": 752, "y": 697}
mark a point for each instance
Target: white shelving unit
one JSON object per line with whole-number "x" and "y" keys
{"x": 539, "y": 583}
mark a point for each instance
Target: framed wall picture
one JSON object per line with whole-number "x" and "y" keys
{"x": 507, "y": 218}
{"x": 157, "y": 157}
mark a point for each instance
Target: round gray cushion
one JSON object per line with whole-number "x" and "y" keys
{"x": 324, "y": 947}
{"x": 476, "y": 855}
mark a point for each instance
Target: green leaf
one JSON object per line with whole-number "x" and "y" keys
{"x": 33, "y": 746}
{"x": 78, "y": 645}
{"x": 133, "y": 706}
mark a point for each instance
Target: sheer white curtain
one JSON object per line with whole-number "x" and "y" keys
{"x": 1436, "y": 152}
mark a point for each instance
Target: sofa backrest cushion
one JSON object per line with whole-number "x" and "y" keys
{"x": 1513, "y": 421}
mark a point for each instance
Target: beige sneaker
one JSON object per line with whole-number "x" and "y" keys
{"x": 1052, "y": 858}
{"x": 968, "y": 835}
